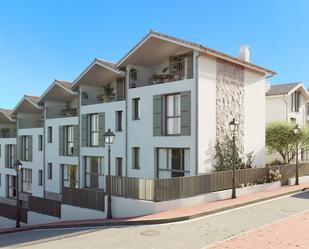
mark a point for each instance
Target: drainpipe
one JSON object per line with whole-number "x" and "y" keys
{"x": 196, "y": 112}
{"x": 286, "y": 107}
{"x": 126, "y": 86}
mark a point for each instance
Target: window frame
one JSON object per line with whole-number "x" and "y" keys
{"x": 27, "y": 179}
{"x": 49, "y": 134}
{"x": 136, "y": 108}
{"x": 175, "y": 116}
{"x": 136, "y": 158}
{"x": 40, "y": 142}
{"x": 119, "y": 121}
{"x": 69, "y": 147}
{"x": 49, "y": 171}
{"x": 92, "y": 131}
{"x": 90, "y": 173}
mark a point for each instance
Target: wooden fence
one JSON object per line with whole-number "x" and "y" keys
{"x": 10, "y": 212}
{"x": 84, "y": 198}
{"x": 45, "y": 206}
{"x": 182, "y": 187}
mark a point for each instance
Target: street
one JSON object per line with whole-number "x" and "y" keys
{"x": 198, "y": 233}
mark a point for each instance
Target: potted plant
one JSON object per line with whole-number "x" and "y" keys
{"x": 108, "y": 92}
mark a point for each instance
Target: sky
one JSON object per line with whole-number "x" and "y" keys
{"x": 45, "y": 40}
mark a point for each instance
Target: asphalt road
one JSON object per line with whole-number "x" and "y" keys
{"x": 196, "y": 233}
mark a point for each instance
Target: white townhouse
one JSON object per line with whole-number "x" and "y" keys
{"x": 168, "y": 101}
{"x": 287, "y": 102}
{"x": 8, "y": 154}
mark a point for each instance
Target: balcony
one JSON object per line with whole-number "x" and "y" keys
{"x": 102, "y": 95}
{"x": 168, "y": 72}
{"x": 7, "y": 133}
{"x": 27, "y": 123}
{"x": 61, "y": 112}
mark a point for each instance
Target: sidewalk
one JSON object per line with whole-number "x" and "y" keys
{"x": 278, "y": 235}
{"x": 174, "y": 215}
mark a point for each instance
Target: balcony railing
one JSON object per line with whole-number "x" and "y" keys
{"x": 26, "y": 123}
{"x": 7, "y": 133}
{"x": 97, "y": 97}
{"x": 60, "y": 112}
{"x": 175, "y": 71}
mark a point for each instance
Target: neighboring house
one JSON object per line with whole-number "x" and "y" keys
{"x": 167, "y": 100}
{"x": 287, "y": 102}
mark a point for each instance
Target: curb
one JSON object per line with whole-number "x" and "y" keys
{"x": 147, "y": 222}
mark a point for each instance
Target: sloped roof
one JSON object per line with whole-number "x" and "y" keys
{"x": 197, "y": 46}
{"x": 66, "y": 84}
{"x": 33, "y": 100}
{"x": 8, "y": 113}
{"x": 282, "y": 88}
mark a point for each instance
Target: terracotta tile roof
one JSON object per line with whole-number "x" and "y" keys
{"x": 281, "y": 88}
{"x": 65, "y": 84}
{"x": 33, "y": 99}
{"x": 106, "y": 63}
{"x": 7, "y": 112}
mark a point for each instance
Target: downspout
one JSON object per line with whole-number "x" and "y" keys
{"x": 286, "y": 107}
{"x": 196, "y": 113}
{"x": 126, "y": 86}
{"x": 44, "y": 151}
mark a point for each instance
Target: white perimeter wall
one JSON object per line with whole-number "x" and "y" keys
{"x": 254, "y": 116}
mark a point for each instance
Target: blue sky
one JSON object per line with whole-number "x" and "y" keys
{"x": 44, "y": 40}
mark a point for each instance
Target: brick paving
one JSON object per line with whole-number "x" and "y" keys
{"x": 291, "y": 232}
{"x": 171, "y": 215}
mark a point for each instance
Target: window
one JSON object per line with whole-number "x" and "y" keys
{"x": 94, "y": 172}
{"x": 69, "y": 140}
{"x": 133, "y": 75}
{"x": 118, "y": 120}
{"x": 173, "y": 162}
{"x": 25, "y": 148}
{"x": 50, "y": 134}
{"x": 293, "y": 120}
{"x": 94, "y": 129}
{"x": 40, "y": 177}
{"x": 295, "y": 101}
{"x": 172, "y": 114}
{"x": 136, "y": 109}
{"x": 119, "y": 166}
{"x": 27, "y": 180}
{"x": 10, "y": 157}
{"x": 40, "y": 143}
{"x": 70, "y": 176}
{"x": 11, "y": 186}
{"x": 136, "y": 158}
{"x": 49, "y": 171}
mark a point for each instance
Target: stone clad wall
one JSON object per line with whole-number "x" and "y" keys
{"x": 230, "y": 101}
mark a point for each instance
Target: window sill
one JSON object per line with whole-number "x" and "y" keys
{"x": 136, "y": 168}
{"x": 136, "y": 119}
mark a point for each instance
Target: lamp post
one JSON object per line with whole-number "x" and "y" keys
{"x": 109, "y": 139}
{"x": 18, "y": 168}
{"x": 296, "y": 130}
{"x": 234, "y": 127}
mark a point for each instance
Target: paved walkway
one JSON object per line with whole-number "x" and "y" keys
{"x": 174, "y": 215}
{"x": 291, "y": 232}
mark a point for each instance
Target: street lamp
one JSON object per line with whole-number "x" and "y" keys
{"x": 18, "y": 168}
{"x": 234, "y": 127}
{"x": 296, "y": 130}
{"x": 109, "y": 139}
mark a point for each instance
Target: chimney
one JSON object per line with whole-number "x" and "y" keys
{"x": 244, "y": 53}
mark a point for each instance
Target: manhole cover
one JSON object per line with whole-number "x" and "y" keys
{"x": 150, "y": 233}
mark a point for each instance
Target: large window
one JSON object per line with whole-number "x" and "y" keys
{"x": 136, "y": 158}
{"x": 173, "y": 114}
{"x": 173, "y": 162}
{"x": 295, "y": 101}
{"x": 118, "y": 120}
{"x": 94, "y": 172}
{"x": 69, "y": 140}
{"x": 70, "y": 176}
{"x": 25, "y": 148}
{"x": 10, "y": 155}
{"x": 136, "y": 115}
{"x": 27, "y": 180}
{"x": 94, "y": 129}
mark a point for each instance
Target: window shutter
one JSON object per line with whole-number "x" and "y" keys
{"x": 157, "y": 115}
{"x": 76, "y": 140}
{"x": 185, "y": 119}
{"x": 101, "y": 129}
{"x": 84, "y": 130}
{"x": 120, "y": 88}
{"x": 20, "y": 148}
{"x": 30, "y": 148}
{"x": 6, "y": 155}
{"x": 61, "y": 140}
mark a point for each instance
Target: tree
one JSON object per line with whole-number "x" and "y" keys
{"x": 280, "y": 138}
